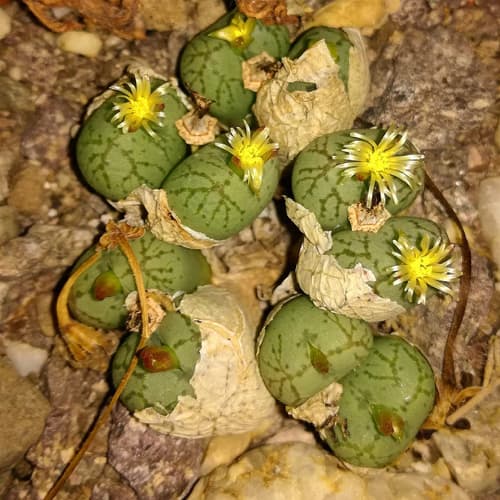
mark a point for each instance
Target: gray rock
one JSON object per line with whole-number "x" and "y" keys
{"x": 154, "y": 464}
{"x": 434, "y": 84}
{"x": 23, "y": 410}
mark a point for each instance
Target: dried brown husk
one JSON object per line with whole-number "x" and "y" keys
{"x": 128, "y": 19}
{"x": 329, "y": 285}
{"x": 120, "y": 18}
{"x": 268, "y": 11}
{"x": 230, "y": 397}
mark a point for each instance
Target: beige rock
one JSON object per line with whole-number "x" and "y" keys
{"x": 23, "y": 411}
{"x": 368, "y": 15}
{"x": 9, "y": 225}
{"x": 5, "y": 24}
{"x": 296, "y": 471}
{"x": 80, "y": 42}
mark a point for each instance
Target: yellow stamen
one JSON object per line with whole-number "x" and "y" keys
{"x": 250, "y": 151}
{"x": 424, "y": 267}
{"x": 380, "y": 162}
{"x": 238, "y": 33}
{"x": 136, "y": 106}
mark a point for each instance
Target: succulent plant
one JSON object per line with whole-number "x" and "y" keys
{"x": 130, "y": 139}
{"x": 221, "y": 188}
{"x": 367, "y": 165}
{"x": 303, "y": 349}
{"x": 209, "y": 389}
{"x": 177, "y": 340}
{"x": 384, "y": 402}
{"x": 410, "y": 258}
{"x": 98, "y": 296}
{"x": 210, "y": 64}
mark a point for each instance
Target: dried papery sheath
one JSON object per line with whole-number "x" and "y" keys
{"x": 160, "y": 219}
{"x": 229, "y": 396}
{"x": 380, "y": 162}
{"x": 328, "y": 284}
{"x": 307, "y": 97}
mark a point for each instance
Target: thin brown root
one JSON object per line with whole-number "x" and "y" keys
{"x": 117, "y": 235}
{"x": 448, "y": 369}
{"x": 473, "y": 402}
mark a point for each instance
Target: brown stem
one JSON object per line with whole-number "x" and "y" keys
{"x": 105, "y": 413}
{"x": 448, "y": 368}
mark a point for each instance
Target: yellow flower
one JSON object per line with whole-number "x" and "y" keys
{"x": 238, "y": 33}
{"x": 380, "y": 163}
{"x": 250, "y": 152}
{"x": 420, "y": 268}
{"x": 136, "y": 106}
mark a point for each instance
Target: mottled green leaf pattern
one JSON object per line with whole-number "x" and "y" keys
{"x": 160, "y": 389}
{"x": 321, "y": 187}
{"x": 304, "y": 349}
{"x": 114, "y": 163}
{"x": 209, "y": 196}
{"x": 374, "y": 251}
{"x": 395, "y": 376}
{"x": 165, "y": 267}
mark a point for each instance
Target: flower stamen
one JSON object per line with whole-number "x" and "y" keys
{"x": 424, "y": 267}
{"x": 380, "y": 163}
{"x": 238, "y": 32}
{"x": 250, "y": 151}
{"x": 136, "y": 106}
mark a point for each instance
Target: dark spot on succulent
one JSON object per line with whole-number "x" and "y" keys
{"x": 106, "y": 285}
{"x": 158, "y": 359}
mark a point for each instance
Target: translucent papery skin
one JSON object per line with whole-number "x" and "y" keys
{"x": 321, "y": 187}
{"x": 208, "y": 194}
{"x": 314, "y": 93}
{"x": 374, "y": 251}
{"x": 336, "y": 39}
{"x": 303, "y": 349}
{"x": 394, "y": 382}
{"x": 160, "y": 390}
{"x": 166, "y": 267}
{"x": 114, "y": 163}
{"x": 229, "y": 396}
{"x": 212, "y": 67}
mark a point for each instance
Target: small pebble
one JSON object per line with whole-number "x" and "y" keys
{"x": 80, "y": 42}
{"x": 489, "y": 215}
{"x": 25, "y": 358}
{"x": 5, "y": 24}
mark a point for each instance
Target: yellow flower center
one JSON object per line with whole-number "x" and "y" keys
{"x": 250, "y": 151}
{"x": 238, "y": 33}
{"x": 380, "y": 162}
{"x": 377, "y": 161}
{"x": 136, "y": 106}
{"x": 424, "y": 267}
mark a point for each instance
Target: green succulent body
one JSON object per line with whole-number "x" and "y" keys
{"x": 207, "y": 193}
{"x": 374, "y": 251}
{"x": 383, "y": 404}
{"x": 303, "y": 349}
{"x": 324, "y": 189}
{"x": 114, "y": 163}
{"x": 164, "y": 266}
{"x": 160, "y": 390}
{"x": 337, "y": 42}
{"x": 211, "y": 67}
